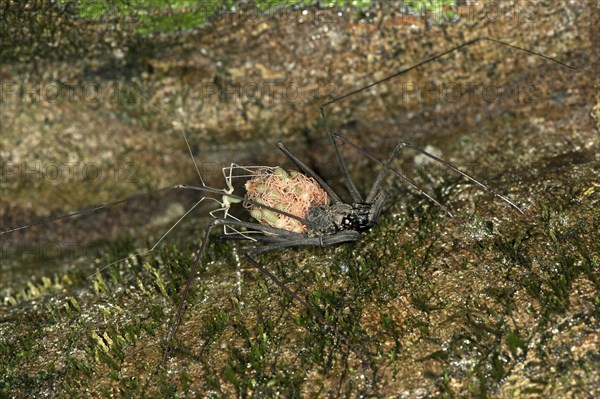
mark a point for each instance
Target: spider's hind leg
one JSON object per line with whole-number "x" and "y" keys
{"x": 249, "y": 256}
{"x": 188, "y": 283}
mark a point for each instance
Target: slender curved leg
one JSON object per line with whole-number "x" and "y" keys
{"x": 193, "y": 271}
{"x": 441, "y": 55}
{"x": 402, "y": 177}
{"x": 316, "y": 314}
{"x": 304, "y": 168}
{"x": 188, "y": 283}
{"x": 435, "y": 158}
{"x": 283, "y": 238}
{"x": 374, "y": 191}
{"x": 88, "y": 210}
{"x": 350, "y": 185}
{"x": 469, "y": 177}
{"x": 354, "y": 193}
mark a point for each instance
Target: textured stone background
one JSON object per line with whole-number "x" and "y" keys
{"x": 493, "y": 305}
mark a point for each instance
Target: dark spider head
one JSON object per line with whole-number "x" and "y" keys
{"x": 360, "y": 218}
{"x": 332, "y": 219}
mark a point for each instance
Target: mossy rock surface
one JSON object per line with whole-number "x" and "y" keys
{"x": 490, "y": 303}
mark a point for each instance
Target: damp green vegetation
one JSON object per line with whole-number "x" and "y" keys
{"x": 152, "y": 17}
{"x": 184, "y": 14}
{"x": 489, "y": 304}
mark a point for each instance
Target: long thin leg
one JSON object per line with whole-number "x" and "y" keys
{"x": 188, "y": 283}
{"x": 316, "y": 314}
{"x": 354, "y": 193}
{"x": 203, "y": 189}
{"x": 310, "y": 241}
{"x": 375, "y": 188}
{"x": 193, "y": 271}
{"x": 211, "y": 225}
{"x": 108, "y": 205}
{"x": 289, "y": 235}
{"x": 304, "y": 168}
{"x": 441, "y": 55}
{"x": 181, "y": 125}
{"x": 402, "y": 177}
{"x": 460, "y": 172}
{"x": 147, "y": 251}
{"x": 88, "y": 210}
{"x": 386, "y": 167}
{"x": 287, "y": 239}
{"x": 445, "y": 163}
{"x": 291, "y": 239}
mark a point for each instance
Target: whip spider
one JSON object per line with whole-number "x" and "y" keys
{"x": 298, "y": 208}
